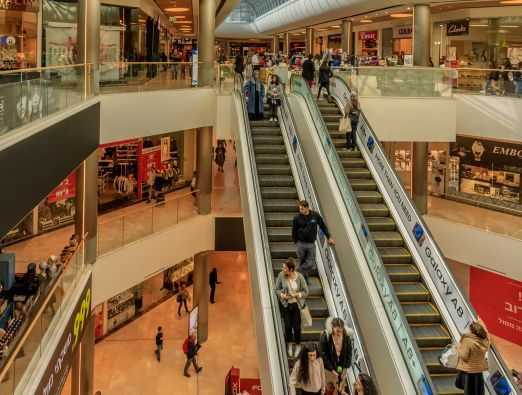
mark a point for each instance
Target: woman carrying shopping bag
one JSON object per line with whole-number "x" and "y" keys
{"x": 472, "y": 350}
{"x": 292, "y": 290}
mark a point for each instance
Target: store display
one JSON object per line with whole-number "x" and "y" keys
{"x": 59, "y": 208}
{"x": 369, "y": 43}
{"x": 121, "y": 308}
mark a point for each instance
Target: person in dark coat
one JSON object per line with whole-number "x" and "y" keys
{"x": 335, "y": 345}
{"x": 309, "y": 71}
{"x": 159, "y": 343}
{"x": 213, "y": 281}
{"x": 239, "y": 65}
{"x": 255, "y": 94}
{"x": 325, "y": 73}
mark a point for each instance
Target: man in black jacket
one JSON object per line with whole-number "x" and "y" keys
{"x": 213, "y": 281}
{"x": 304, "y": 234}
{"x": 309, "y": 71}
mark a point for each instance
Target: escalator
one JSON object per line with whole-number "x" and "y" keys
{"x": 279, "y": 197}
{"x": 424, "y": 318}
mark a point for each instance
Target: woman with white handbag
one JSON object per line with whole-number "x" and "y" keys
{"x": 292, "y": 290}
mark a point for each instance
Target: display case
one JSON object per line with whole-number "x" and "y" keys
{"x": 120, "y": 309}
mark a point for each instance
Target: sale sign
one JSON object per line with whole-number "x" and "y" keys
{"x": 66, "y": 189}
{"x": 251, "y": 387}
{"x": 498, "y": 301}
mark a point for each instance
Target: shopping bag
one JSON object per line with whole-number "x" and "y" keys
{"x": 500, "y": 384}
{"x": 449, "y": 357}
{"x": 306, "y": 317}
{"x": 344, "y": 125}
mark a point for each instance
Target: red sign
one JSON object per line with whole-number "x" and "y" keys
{"x": 66, "y": 189}
{"x": 498, "y": 301}
{"x": 150, "y": 158}
{"x": 368, "y": 35}
{"x": 251, "y": 387}
{"x": 232, "y": 382}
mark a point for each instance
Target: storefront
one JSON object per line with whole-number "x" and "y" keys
{"x": 124, "y": 307}
{"x": 18, "y": 34}
{"x": 486, "y": 171}
{"x": 368, "y": 47}
{"x": 402, "y": 40}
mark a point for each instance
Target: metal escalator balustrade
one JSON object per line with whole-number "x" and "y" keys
{"x": 365, "y": 188}
{"x": 421, "y": 279}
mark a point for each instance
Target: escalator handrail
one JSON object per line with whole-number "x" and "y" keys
{"x": 281, "y": 344}
{"x": 357, "y": 344}
{"x": 401, "y": 329}
{"x": 472, "y": 315}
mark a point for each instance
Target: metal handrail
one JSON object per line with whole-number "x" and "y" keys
{"x": 322, "y": 130}
{"x": 470, "y": 310}
{"x": 264, "y": 238}
{"x": 47, "y": 68}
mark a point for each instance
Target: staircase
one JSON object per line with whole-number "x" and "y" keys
{"x": 279, "y": 196}
{"x": 427, "y": 327}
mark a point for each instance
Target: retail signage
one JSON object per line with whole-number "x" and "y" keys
{"x": 55, "y": 374}
{"x": 487, "y": 153}
{"x": 165, "y": 149}
{"x": 232, "y": 382}
{"x": 20, "y": 5}
{"x": 250, "y": 387}
{"x": 457, "y": 28}
{"x": 402, "y": 31}
{"x": 372, "y": 35}
{"x": 66, "y": 189}
{"x": 502, "y": 314}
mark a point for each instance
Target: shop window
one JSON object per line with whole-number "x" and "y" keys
{"x": 18, "y": 43}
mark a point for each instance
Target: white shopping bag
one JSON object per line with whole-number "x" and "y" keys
{"x": 450, "y": 356}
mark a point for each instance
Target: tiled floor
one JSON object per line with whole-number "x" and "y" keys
{"x": 125, "y": 362}
{"x": 511, "y": 353}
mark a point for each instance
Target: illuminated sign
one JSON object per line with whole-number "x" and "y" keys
{"x": 19, "y": 5}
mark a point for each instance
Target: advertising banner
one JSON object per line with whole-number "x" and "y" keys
{"x": 150, "y": 158}
{"x": 165, "y": 149}
{"x": 487, "y": 153}
{"x": 110, "y": 53}
{"x": 61, "y": 45}
{"x": 232, "y": 382}
{"x": 66, "y": 189}
{"x": 55, "y": 375}
{"x": 250, "y": 387}
{"x": 402, "y": 31}
{"x": 457, "y": 28}
{"x": 20, "y": 5}
{"x": 372, "y": 35}
{"x": 498, "y": 301}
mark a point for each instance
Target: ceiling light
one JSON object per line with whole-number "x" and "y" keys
{"x": 366, "y": 21}
{"x": 183, "y": 22}
{"x": 335, "y": 27}
{"x": 510, "y": 26}
{"x": 401, "y": 15}
{"x": 479, "y": 25}
{"x": 508, "y": 2}
{"x": 177, "y": 9}
{"x": 179, "y": 17}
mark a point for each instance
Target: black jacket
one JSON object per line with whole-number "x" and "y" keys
{"x": 324, "y": 75}
{"x": 304, "y": 228}
{"x": 329, "y": 355}
{"x": 239, "y": 64}
{"x": 213, "y": 279}
{"x": 308, "y": 70}
{"x": 159, "y": 339}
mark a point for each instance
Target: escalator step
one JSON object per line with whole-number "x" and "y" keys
{"x": 403, "y": 273}
{"x": 394, "y": 255}
{"x": 374, "y": 210}
{"x": 313, "y": 333}
{"x": 339, "y": 143}
{"x": 335, "y": 134}
{"x": 445, "y": 384}
{"x": 381, "y": 224}
{"x": 329, "y": 110}
{"x": 411, "y": 292}
{"x": 280, "y": 206}
{"x": 350, "y": 163}
{"x": 332, "y": 118}
{"x": 387, "y": 239}
{"x": 368, "y": 196}
{"x": 346, "y": 153}
{"x": 421, "y": 313}
{"x": 318, "y": 307}
{"x": 274, "y": 170}
{"x": 269, "y": 149}
{"x": 262, "y": 139}
{"x": 282, "y": 250}
{"x": 276, "y": 181}
{"x": 363, "y": 184}
{"x": 279, "y": 219}
{"x": 279, "y": 193}
{"x": 280, "y": 234}
{"x": 279, "y": 159}
{"x": 430, "y": 335}
{"x": 273, "y": 131}
{"x": 333, "y": 126}
{"x": 431, "y": 360}
{"x": 314, "y": 287}
{"x": 265, "y": 123}
{"x": 358, "y": 174}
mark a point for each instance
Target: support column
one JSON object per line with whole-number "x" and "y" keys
{"x": 286, "y": 44}
{"x": 419, "y": 176}
{"x": 275, "y": 44}
{"x": 204, "y": 170}
{"x": 421, "y": 35}
{"x": 87, "y": 205}
{"x": 309, "y": 41}
{"x": 206, "y": 38}
{"x": 346, "y": 36}
{"x": 201, "y": 293}
{"x": 89, "y": 12}
{"x": 87, "y": 359}
{"x": 493, "y": 41}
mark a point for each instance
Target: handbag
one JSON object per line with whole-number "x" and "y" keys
{"x": 460, "y": 381}
{"x": 449, "y": 356}
{"x": 306, "y": 317}
{"x": 344, "y": 125}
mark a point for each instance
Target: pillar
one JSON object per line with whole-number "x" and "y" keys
{"x": 419, "y": 176}
{"x": 86, "y": 222}
{"x": 275, "y": 44}
{"x": 201, "y": 293}
{"x": 204, "y": 170}
{"x": 346, "y": 36}
{"x": 87, "y": 359}
{"x": 286, "y": 44}
{"x": 89, "y": 12}
{"x": 493, "y": 41}
{"x": 309, "y": 41}
{"x": 206, "y": 38}
{"x": 421, "y": 35}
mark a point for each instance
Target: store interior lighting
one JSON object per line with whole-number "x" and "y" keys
{"x": 401, "y": 15}
{"x": 177, "y": 9}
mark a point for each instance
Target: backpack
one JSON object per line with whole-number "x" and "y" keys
{"x": 186, "y": 346}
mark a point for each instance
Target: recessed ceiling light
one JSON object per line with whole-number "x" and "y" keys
{"x": 177, "y": 9}
{"x": 401, "y": 15}
{"x": 508, "y": 2}
{"x": 183, "y": 22}
{"x": 510, "y": 26}
{"x": 366, "y": 21}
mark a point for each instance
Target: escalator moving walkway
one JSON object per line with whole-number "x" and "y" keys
{"x": 279, "y": 196}
{"x": 424, "y": 318}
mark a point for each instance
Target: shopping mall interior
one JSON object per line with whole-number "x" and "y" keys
{"x": 202, "y": 196}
